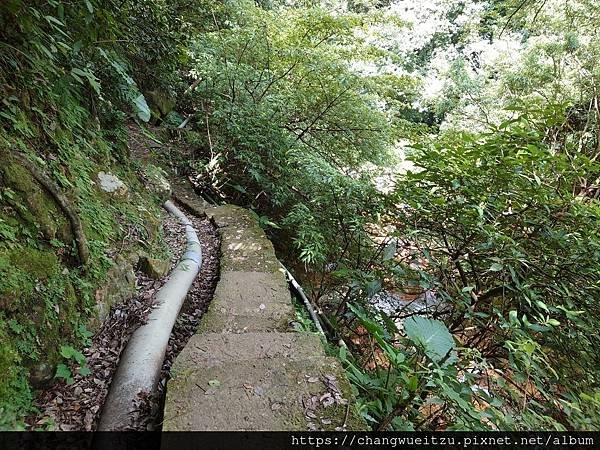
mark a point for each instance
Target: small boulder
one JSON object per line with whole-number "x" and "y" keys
{"x": 41, "y": 374}
{"x": 157, "y": 183}
{"x": 119, "y": 286}
{"x": 154, "y": 268}
{"x": 111, "y": 184}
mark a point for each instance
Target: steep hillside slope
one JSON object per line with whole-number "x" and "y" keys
{"x": 73, "y": 207}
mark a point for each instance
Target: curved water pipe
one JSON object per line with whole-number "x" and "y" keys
{"x": 311, "y": 310}
{"x": 141, "y": 362}
{"x": 305, "y": 300}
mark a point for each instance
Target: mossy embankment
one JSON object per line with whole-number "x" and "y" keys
{"x": 48, "y": 300}
{"x": 69, "y": 84}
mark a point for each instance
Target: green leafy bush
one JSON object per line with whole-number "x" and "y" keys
{"x": 286, "y": 127}
{"x": 494, "y": 231}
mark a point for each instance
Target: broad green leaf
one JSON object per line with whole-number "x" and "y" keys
{"x": 141, "y": 108}
{"x": 62, "y": 371}
{"x": 54, "y": 20}
{"x": 343, "y": 353}
{"x": 92, "y": 80}
{"x": 537, "y": 327}
{"x": 542, "y": 305}
{"x": 430, "y": 334}
{"x": 390, "y": 251}
{"x": 496, "y": 267}
{"x": 67, "y": 351}
{"x": 413, "y": 383}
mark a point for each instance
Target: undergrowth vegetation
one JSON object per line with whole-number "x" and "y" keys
{"x": 318, "y": 120}
{"x": 456, "y": 168}
{"x": 66, "y": 89}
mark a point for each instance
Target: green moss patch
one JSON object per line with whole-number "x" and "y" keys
{"x": 45, "y": 300}
{"x": 32, "y": 205}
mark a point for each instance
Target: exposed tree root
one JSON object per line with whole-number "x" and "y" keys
{"x": 63, "y": 202}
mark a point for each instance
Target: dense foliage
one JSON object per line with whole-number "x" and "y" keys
{"x": 453, "y": 158}
{"x": 495, "y": 231}
{"x": 501, "y": 226}
{"x": 297, "y": 111}
{"x": 282, "y": 116}
{"x": 66, "y": 91}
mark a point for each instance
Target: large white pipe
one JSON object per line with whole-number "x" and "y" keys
{"x": 142, "y": 360}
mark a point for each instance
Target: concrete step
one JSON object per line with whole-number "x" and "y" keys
{"x": 232, "y": 216}
{"x": 184, "y": 193}
{"x": 244, "y": 245}
{"x": 213, "y": 349}
{"x": 269, "y": 394}
{"x": 249, "y": 301}
{"x": 247, "y": 248}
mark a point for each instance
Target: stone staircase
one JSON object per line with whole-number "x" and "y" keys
{"x": 245, "y": 369}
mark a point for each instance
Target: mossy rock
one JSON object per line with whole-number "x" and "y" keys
{"x": 42, "y": 310}
{"x": 152, "y": 224}
{"x": 35, "y": 207}
{"x": 20, "y": 270}
{"x": 153, "y": 267}
{"x": 161, "y": 103}
{"x": 41, "y": 374}
{"x": 40, "y": 264}
{"x": 112, "y": 184}
{"x": 118, "y": 287}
